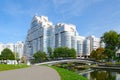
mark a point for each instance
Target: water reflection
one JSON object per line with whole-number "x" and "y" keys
{"x": 103, "y": 75}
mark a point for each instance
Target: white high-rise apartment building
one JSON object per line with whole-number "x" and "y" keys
{"x": 40, "y": 35}
{"x": 66, "y": 36}
{"x": 16, "y": 48}
{"x": 43, "y": 34}
{"x": 94, "y": 42}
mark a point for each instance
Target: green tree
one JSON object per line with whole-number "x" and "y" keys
{"x": 56, "y": 53}
{"x": 50, "y": 52}
{"x": 0, "y": 57}
{"x": 112, "y": 42}
{"x": 72, "y": 53}
{"x": 40, "y": 56}
{"x": 119, "y": 41}
{"x": 7, "y": 54}
{"x": 108, "y": 53}
{"x": 93, "y": 54}
{"x": 64, "y": 52}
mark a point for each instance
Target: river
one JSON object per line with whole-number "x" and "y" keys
{"x": 101, "y": 74}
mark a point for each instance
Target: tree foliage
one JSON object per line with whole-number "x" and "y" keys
{"x": 93, "y": 54}
{"x": 98, "y": 54}
{"x": 112, "y": 42}
{"x": 50, "y": 51}
{"x": 40, "y": 56}
{"x": 7, "y": 54}
{"x": 0, "y": 57}
{"x": 64, "y": 52}
{"x": 23, "y": 59}
{"x": 72, "y": 53}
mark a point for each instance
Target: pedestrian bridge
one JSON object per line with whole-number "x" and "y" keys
{"x": 69, "y": 60}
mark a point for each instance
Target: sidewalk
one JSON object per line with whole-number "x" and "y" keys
{"x": 32, "y": 73}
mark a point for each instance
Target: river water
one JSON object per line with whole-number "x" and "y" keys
{"x": 101, "y": 75}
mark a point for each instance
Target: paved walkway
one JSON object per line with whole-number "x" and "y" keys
{"x": 67, "y": 60}
{"x": 32, "y": 73}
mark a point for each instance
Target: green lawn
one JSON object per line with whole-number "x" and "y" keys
{"x": 68, "y": 75}
{"x": 9, "y": 67}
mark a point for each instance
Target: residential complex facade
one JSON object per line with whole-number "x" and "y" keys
{"x": 43, "y": 34}
{"x": 17, "y": 48}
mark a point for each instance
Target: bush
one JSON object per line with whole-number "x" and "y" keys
{"x": 40, "y": 56}
{"x": 64, "y": 52}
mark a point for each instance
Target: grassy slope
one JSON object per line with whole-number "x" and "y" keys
{"x": 9, "y": 67}
{"x": 68, "y": 75}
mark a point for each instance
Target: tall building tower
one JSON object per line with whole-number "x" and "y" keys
{"x": 43, "y": 34}
{"x": 80, "y": 46}
{"x": 19, "y": 49}
{"x": 40, "y": 35}
{"x": 87, "y": 47}
{"x": 63, "y": 34}
{"x": 94, "y": 42}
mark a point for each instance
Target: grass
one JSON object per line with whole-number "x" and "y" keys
{"x": 10, "y": 67}
{"x": 111, "y": 63}
{"x": 68, "y": 75}
{"x": 118, "y": 63}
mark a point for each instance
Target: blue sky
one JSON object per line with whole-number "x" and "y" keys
{"x": 91, "y": 17}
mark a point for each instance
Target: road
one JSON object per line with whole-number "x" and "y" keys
{"x": 31, "y": 73}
